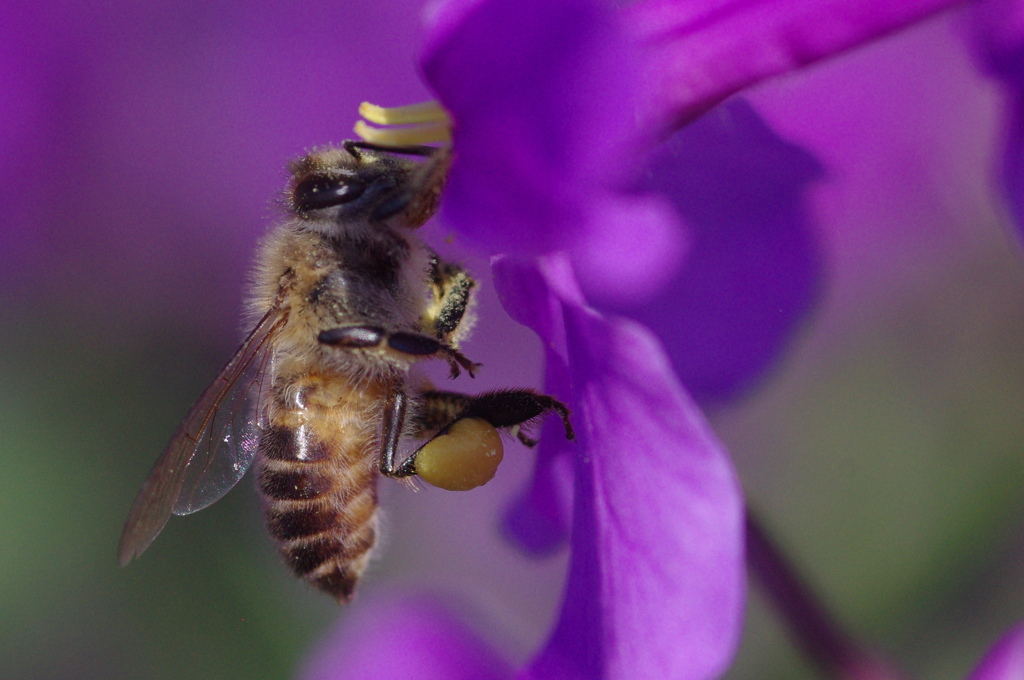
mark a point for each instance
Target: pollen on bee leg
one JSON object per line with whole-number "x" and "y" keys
{"x": 465, "y": 457}
{"x": 425, "y": 123}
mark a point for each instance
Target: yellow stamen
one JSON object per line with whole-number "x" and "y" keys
{"x": 425, "y": 112}
{"x": 405, "y": 136}
{"x": 425, "y": 123}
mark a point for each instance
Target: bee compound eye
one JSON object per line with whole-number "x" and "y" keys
{"x": 466, "y": 457}
{"x": 317, "y": 193}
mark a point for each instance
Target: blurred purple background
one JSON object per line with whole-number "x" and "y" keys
{"x": 143, "y": 144}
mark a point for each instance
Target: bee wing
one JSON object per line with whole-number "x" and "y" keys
{"x": 227, "y": 441}
{"x": 213, "y": 446}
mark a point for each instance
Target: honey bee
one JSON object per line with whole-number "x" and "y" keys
{"x": 346, "y": 300}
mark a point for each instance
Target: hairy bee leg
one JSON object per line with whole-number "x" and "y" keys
{"x": 452, "y": 286}
{"x": 504, "y": 409}
{"x": 392, "y": 425}
{"x": 435, "y": 410}
{"x": 510, "y": 408}
{"x": 415, "y": 344}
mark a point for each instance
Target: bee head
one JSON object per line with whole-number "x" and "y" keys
{"x": 360, "y": 183}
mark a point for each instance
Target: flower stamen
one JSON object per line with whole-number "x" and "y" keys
{"x": 424, "y": 112}
{"x": 425, "y": 123}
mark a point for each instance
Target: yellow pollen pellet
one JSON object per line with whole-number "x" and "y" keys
{"x": 465, "y": 458}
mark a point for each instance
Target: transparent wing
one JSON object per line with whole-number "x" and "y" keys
{"x": 226, "y": 445}
{"x": 213, "y": 446}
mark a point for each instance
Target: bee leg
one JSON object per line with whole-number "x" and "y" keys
{"x": 508, "y": 408}
{"x": 503, "y": 409}
{"x": 354, "y": 146}
{"x": 415, "y": 344}
{"x": 452, "y": 285}
{"x": 392, "y": 425}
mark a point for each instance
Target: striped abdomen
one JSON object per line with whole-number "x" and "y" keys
{"x": 321, "y": 501}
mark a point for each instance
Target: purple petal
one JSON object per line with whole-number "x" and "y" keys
{"x": 1005, "y": 661}
{"x": 655, "y": 587}
{"x": 538, "y": 90}
{"x": 538, "y": 519}
{"x": 401, "y": 638}
{"x": 998, "y": 41}
{"x": 753, "y": 270}
{"x": 544, "y": 100}
{"x": 998, "y": 27}
{"x": 1013, "y": 161}
{"x": 710, "y": 49}
{"x": 634, "y": 245}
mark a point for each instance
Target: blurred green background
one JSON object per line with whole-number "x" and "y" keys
{"x": 891, "y": 468}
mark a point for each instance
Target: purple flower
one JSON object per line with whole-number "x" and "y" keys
{"x": 741, "y": 191}
{"x": 709, "y": 50}
{"x": 438, "y": 645}
{"x": 558, "y": 120}
{"x": 555, "y": 108}
{"x": 404, "y": 637}
{"x": 1005, "y": 661}
{"x": 655, "y": 583}
{"x": 998, "y": 38}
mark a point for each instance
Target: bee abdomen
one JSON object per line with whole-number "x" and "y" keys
{"x": 302, "y": 521}
{"x": 285, "y": 483}
{"x": 322, "y": 513}
{"x": 334, "y": 561}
